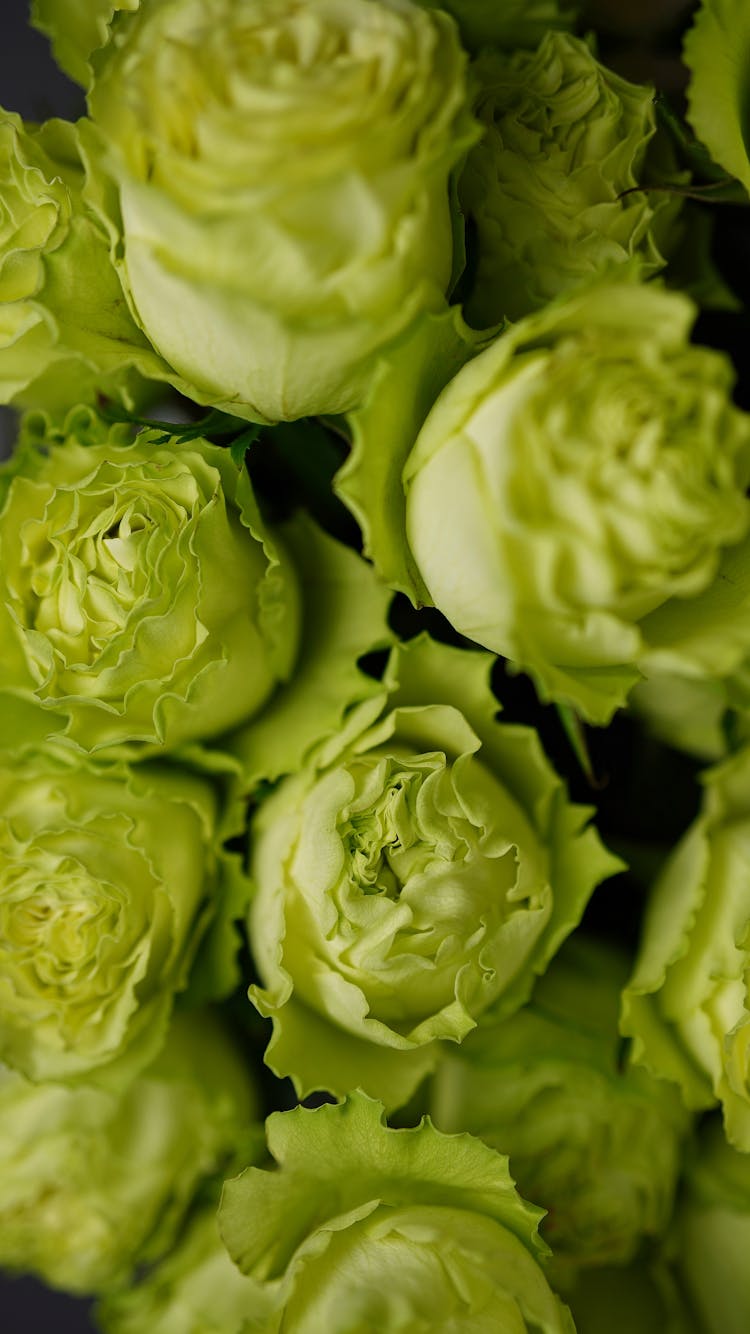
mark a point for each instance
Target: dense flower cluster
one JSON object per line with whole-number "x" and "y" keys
{"x": 363, "y": 358}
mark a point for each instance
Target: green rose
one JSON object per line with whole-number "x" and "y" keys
{"x": 424, "y": 865}
{"x": 301, "y": 249}
{"x": 686, "y": 1005}
{"x": 108, "y": 880}
{"x": 713, "y": 1234}
{"x": 553, "y": 188}
{"x": 576, "y": 499}
{"x": 595, "y": 1142}
{"x": 65, "y": 330}
{"x": 92, "y": 1184}
{"x": 366, "y": 1228}
{"x": 77, "y": 28}
{"x": 142, "y": 601}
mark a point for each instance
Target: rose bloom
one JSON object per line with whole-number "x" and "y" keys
{"x": 268, "y": 268}
{"x": 142, "y": 601}
{"x": 422, "y": 867}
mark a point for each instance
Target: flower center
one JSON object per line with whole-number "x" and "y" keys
{"x": 89, "y": 568}
{"x": 383, "y": 842}
{"x": 53, "y": 919}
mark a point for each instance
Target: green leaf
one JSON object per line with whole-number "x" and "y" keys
{"x": 240, "y": 445}
{"x": 717, "y": 53}
{"x": 574, "y": 730}
{"x": 344, "y": 608}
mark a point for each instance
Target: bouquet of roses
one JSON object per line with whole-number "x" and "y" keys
{"x": 374, "y": 471}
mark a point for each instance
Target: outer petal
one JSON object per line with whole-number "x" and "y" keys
{"x": 340, "y": 1171}
{"x": 687, "y": 1003}
{"x": 93, "y": 1184}
{"x": 590, "y": 1137}
{"x": 712, "y": 1233}
{"x": 197, "y": 1289}
{"x": 76, "y": 28}
{"x": 671, "y": 914}
{"x": 717, "y": 49}
{"x": 406, "y": 384}
{"x": 65, "y": 330}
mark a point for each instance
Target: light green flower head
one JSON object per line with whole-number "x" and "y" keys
{"x": 594, "y": 1141}
{"x": 65, "y": 330}
{"x": 687, "y": 1003}
{"x": 92, "y": 1184}
{"x": 576, "y": 498}
{"x": 269, "y": 268}
{"x": 142, "y": 601}
{"x": 554, "y": 188}
{"x": 423, "y": 866}
{"x": 76, "y": 29}
{"x": 108, "y": 880}
{"x": 712, "y": 1234}
{"x": 399, "y": 1231}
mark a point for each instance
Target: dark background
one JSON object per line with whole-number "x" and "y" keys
{"x": 31, "y": 84}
